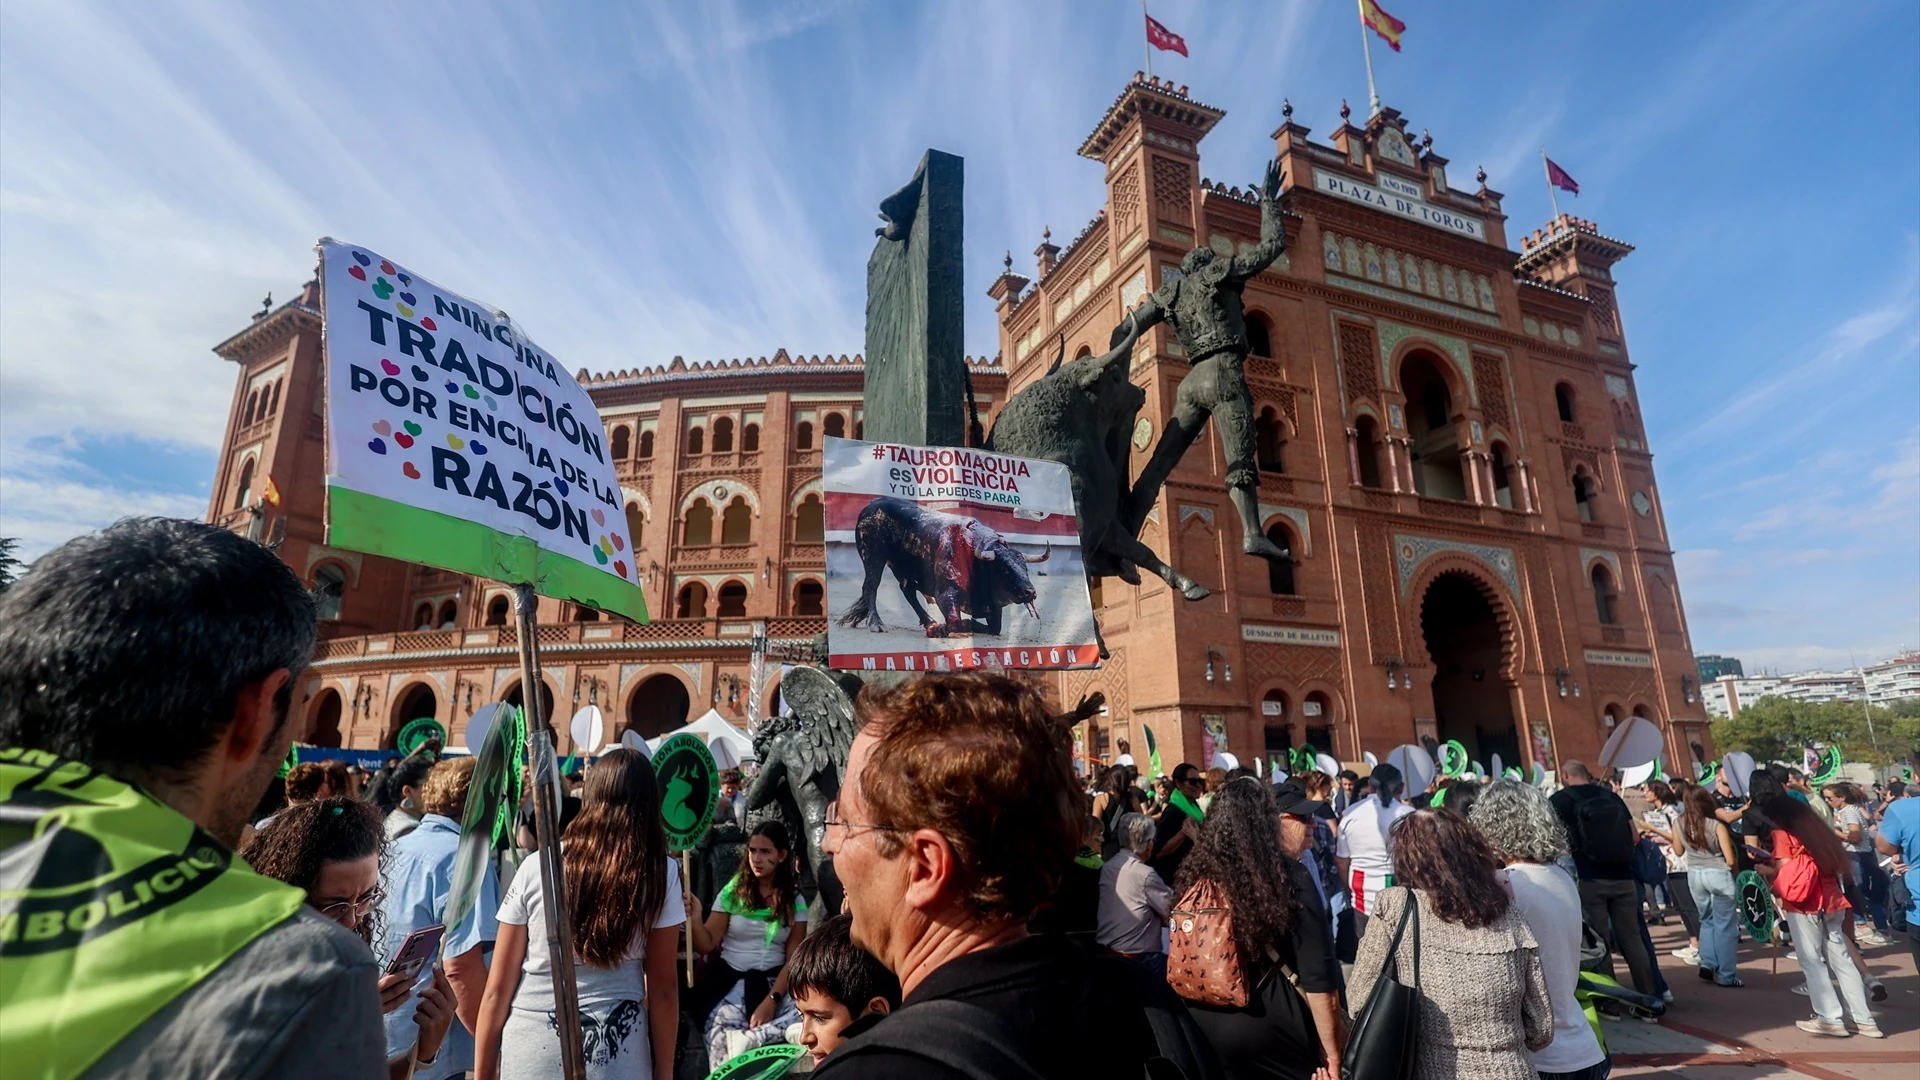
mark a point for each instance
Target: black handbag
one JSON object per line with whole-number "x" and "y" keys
{"x": 1386, "y": 1034}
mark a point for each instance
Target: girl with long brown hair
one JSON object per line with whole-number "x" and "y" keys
{"x": 740, "y": 998}
{"x": 1809, "y": 866}
{"x": 1711, "y": 857}
{"x": 625, "y": 910}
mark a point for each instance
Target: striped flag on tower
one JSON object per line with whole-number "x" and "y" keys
{"x": 1377, "y": 20}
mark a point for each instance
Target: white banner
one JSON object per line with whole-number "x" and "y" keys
{"x": 436, "y": 403}
{"x": 947, "y": 558}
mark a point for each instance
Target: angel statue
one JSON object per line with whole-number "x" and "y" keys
{"x": 801, "y": 767}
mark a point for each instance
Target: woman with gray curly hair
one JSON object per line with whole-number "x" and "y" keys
{"x": 1524, "y": 830}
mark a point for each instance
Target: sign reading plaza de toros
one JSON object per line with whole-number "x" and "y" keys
{"x": 1401, "y": 198}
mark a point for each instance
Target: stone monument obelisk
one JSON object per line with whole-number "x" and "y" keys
{"x": 916, "y": 361}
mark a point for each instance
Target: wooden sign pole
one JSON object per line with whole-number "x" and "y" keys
{"x": 553, "y": 877}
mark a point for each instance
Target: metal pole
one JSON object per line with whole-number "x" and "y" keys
{"x": 1143, "y": 35}
{"x": 1366, "y": 47}
{"x": 553, "y": 878}
{"x": 756, "y": 675}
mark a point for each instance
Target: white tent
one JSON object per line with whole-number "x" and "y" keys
{"x": 729, "y": 744}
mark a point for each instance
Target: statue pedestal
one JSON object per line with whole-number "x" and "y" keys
{"x": 915, "y": 356}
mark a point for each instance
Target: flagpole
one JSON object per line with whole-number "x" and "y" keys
{"x": 1146, "y": 40}
{"x": 1366, "y": 46}
{"x": 1550, "y": 192}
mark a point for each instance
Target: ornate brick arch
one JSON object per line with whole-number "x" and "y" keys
{"x": 709, "y": 490}
{"x": 1459, "y": 383}
{"x": 1487, "y": 582}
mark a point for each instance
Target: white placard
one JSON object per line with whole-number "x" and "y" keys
{"x": 1401, "y": 203}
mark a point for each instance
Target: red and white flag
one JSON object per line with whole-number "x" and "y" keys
{"x": 1164, "y": 39}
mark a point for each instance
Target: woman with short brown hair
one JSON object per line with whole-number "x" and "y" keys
{"x": 1484, "y": 1002}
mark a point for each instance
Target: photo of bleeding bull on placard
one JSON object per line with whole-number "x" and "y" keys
{"x": 948, "y": 558}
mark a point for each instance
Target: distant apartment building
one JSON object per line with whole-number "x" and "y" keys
{"x": 1891, "y": 680}
{"x": 1727, "y": 695}
{"x": 1823, "y": 686}
{"x": 1714, "y": 667}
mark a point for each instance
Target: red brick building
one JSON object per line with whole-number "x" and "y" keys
{"x": 1450, "y": 443}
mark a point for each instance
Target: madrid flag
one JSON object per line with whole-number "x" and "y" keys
{"x": 1166, "y": 40}
{"x": 1558, "y": 177}
{"x": 1377, "y": 20}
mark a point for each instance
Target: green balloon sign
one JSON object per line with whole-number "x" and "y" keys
{"x": 1756, "y": 905}
{"x": 689, "y": 789}
{"x": 763, "y": 1063}
{"x": 1453, "y": 758}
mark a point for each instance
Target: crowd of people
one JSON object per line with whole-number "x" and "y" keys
{"x": 1004, "y": 914}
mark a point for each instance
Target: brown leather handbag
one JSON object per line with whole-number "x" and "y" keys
{"x": 1203, "y": 964}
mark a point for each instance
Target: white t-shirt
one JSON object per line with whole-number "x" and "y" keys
{"x": 1363, "y": 842}
{"x": 598, "y": 985}
{"x": 1549, "y": 901}
{"x": 747, "y": 946}
{"x": 1854, "y": 815}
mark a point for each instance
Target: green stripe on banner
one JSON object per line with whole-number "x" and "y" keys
{"x": 360, "y": 522}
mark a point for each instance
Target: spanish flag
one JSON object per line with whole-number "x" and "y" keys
{"x": 1376, "y": 19}
{"x": 270, "y": 494}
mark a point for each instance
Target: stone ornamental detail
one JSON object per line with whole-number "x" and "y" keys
{"x": 1411, "y": 551}
{"x": 1356, "y": 363}
{"x": 1490, "y": 378}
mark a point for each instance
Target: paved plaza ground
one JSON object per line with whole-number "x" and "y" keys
{"x": 1710, "y": 1033}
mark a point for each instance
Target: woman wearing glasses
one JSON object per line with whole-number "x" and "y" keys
{"x": 330, "y": 849}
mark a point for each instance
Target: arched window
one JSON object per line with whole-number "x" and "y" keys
{"x": 622, "y": 442}
{"x": 1434, "y": 442}
{"x": 329, "y": 585}
{"x": 1367, "y": 449}
{"x": 733, "y": 600}
{"x": 723, "y": 435}
{"x": 835, "y": 426}
{"x": 1583, "y": 494}
{"x": 1259, "y": 337}
{"x": 449, "y": 615}
{"x": 1563, "y": 401}
{"x": 253, "y": 405}
{"x": 809, "y": 598}
{"x": 1280, "y": 571}
{"x": 809, "y": 521}
{"x": 243, "y": 491}
{"x": 749, "y": 438}
{"x": 1502, "y": 468}
{"x": 1269, "y": 436}
{"x": 698, "y": 529}
{"x": 497, "y": 611}
{"x": 273, "y": 407}
{"x": 423, "y": 617}
{"x": 693, "y": 601}
{"x": 736, "y": 522}
{"x": 803, "y": 435}
{"x": 646, "y": 445}
{"x": 1603, "y": 594}
{"x": 636, "y": 525}
{"x": 697, "y": 441}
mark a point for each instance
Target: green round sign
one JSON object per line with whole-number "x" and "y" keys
{"x": 1830, "y": 763}
{"x": 689, "y": 789}
{"x": 1453, "y": 758}
{"x": 417, "y": 731}
{"x": 763, "y": 1063}
{"x": 1756, "y": 905}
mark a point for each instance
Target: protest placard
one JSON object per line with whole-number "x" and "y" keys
{"x": 949, "y": 558}
{"x": 454, "y": 441}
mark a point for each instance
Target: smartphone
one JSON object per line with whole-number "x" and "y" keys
{"x": 417, "y": 951}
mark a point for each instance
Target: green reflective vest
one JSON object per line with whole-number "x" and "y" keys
{"x": 111, "y": 905}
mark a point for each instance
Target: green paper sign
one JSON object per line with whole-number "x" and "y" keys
{"x": 1153, "y": 754}
{"x": 1302, "y": 758}
{"x": 293, "y": 758}
{"x": 689, "y": 789}
{"x": 1756, "y": 905}
{"x": 764, "y": 1063}
{"x": 416, "y": 732}
{"x": 1708, "y": 772}
{"x": 1453, "y": 758}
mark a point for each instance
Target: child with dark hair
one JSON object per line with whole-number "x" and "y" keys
{"x": 836, "y": 985}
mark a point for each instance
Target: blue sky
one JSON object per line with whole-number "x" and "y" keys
{"x": 638, "y": 182}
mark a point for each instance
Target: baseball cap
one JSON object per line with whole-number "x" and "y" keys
{"x": 1291, "y": 798}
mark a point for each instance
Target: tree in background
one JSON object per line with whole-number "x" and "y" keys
{"x": 1777, "y": 729}
{"x": 9, "y": 562}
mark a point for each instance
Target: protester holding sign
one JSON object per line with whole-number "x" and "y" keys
{"x": 145, "y": 677}
{"x": 625, "y": 911}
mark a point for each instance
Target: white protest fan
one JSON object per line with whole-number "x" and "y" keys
{"x": 1415, "y": 765}
{"x": 1224, "y": 760}
{"x": 1636, "y": 741}
{"x": 1497, "y": 770}
{"x": 1636, "y": 775}
{"x": 587, "y": 728}
{"x": 480, "y": 723}
{"x": 1328, "y": 764}
{"x": 1367, "y": 756}
{"x": 632, "y": 741}
{"x": 1737, "y": 767}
